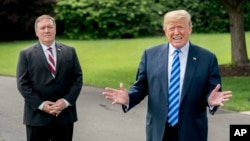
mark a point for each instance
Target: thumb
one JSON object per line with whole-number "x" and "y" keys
{"x": 217, "y": 88}
{"x": 122, "y": 87}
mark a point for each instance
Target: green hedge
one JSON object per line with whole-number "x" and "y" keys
{"x": 95, "y": 19}
{"x": 207, "y": 15}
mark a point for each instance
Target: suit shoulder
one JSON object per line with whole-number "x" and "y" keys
{"x": 64, "y": 45}
{"x": 65, "y": 48}
{"x": 158, "y": 47}
{"x": 30, "y": 47}
{"x": 201, "y": 50}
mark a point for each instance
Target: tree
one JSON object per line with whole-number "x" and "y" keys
{"x": 18, "y": 16}
{"x": 235, "y": 9}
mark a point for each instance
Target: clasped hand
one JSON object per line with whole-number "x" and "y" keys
{"x": 54, "y": 108}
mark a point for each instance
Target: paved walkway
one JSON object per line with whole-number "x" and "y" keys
{"x": 99, "y": 120}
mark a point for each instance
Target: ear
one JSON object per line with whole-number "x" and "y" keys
{"x": 190, "y": 30}
{"x": 36, "y": 33}
{"x": 165, "y": 32}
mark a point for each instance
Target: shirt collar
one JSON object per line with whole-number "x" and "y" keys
{"x": 46, "y": 47}
{"x": 184, "y": 49}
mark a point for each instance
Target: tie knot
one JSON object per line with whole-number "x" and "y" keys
{"x": 50, "y": 51}
{"x": 49, "y": 48}
{"x": 177, "y": 51}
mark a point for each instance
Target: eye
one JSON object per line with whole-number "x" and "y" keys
{"x": 42, "y": 28}
{"x": 171, "y": 28}
{"x": 180, "y": 27}
{"x": 49, "y": 27}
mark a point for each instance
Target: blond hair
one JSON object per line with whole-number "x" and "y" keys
{"x": 175, "y": 16}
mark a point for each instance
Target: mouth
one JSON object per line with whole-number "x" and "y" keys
{"x": 178, "y": 38}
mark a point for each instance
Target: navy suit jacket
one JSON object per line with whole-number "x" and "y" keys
{"x": 201, "y": 76}
{"x": 36, "y": 84}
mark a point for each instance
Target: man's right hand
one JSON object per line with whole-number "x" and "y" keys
{"x": 47, "y": 107}
{"x": 117, "y": 96}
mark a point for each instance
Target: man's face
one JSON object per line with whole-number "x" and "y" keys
{"x": 46, "y": 31}
{"x": 178, "y": 32}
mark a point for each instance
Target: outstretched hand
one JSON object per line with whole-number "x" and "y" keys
{"x": 117, "y": 96}
{"x": 218, "y": 98}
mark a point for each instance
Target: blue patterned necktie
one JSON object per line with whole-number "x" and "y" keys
{"x": 174, "y": 90}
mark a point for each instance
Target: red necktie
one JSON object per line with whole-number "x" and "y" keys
{"x": 51, "y": 61}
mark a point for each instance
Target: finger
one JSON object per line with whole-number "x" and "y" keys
{"x": 109, "y": 97}
{"x": 53, "y": 112}
{"x": 114, "y": 102}
{"x": 227, "y": 96}
{"x": 227, "y": 92}
{"x": 59, "y": 101}
{"x": 225, "y": 100}
{"x": 217, "y": 88}
{"x": 122, "y": 87}
{"x": 53, "y": 107}
{"x": 106, "y": 94}
{"x": 49, "y": 102}
{"x": 111, "y": 90}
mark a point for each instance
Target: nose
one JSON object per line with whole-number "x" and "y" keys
{"x": 46, "y": 29}
{"x": 176, "y": 30}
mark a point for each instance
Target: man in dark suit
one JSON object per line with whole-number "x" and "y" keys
{"x": 197, "y": 86}
{"x": 50, "y": 81}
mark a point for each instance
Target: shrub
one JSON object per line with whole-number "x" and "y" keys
{"x": 18, "y": 16}
{"x": 95, "y": 19}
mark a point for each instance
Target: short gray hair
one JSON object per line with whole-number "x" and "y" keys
{"x": 38, "y": 19}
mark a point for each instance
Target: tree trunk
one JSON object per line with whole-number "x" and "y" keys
{"x": 235, "y": 10}
{"x": 238, "y": 41}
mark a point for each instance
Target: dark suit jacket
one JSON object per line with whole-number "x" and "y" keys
{"x": 36, "y": 84}
{"x": 201, "y": 76}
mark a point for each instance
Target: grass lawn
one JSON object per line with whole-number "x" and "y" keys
{"x": 108, "y": 62}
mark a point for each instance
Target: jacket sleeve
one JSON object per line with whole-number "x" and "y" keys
{"x": 24, "y": 83}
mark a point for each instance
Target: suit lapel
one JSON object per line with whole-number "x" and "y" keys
{"x": 191, "y": 67}
{"x": 163, "y": 61}
{"x": 58, "y": 56}
{"x": 40, "y": 54}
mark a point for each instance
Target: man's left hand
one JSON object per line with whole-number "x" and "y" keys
{"x": 218, "y": 98}
{"x": 58, "y": 107}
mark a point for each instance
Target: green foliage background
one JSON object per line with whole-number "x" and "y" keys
{"x": 109, "y": 19}
{"x": 98, "y": 19}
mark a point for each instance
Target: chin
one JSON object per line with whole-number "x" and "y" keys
{"x": 178, "y": 45}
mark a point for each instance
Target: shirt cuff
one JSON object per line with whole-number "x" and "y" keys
{"x": 41, "y": 106}
{"x": 66, "y": 102}
{"x": 210, "y": 107}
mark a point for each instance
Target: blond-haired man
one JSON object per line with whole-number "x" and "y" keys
{"x": 181, "y": 81}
